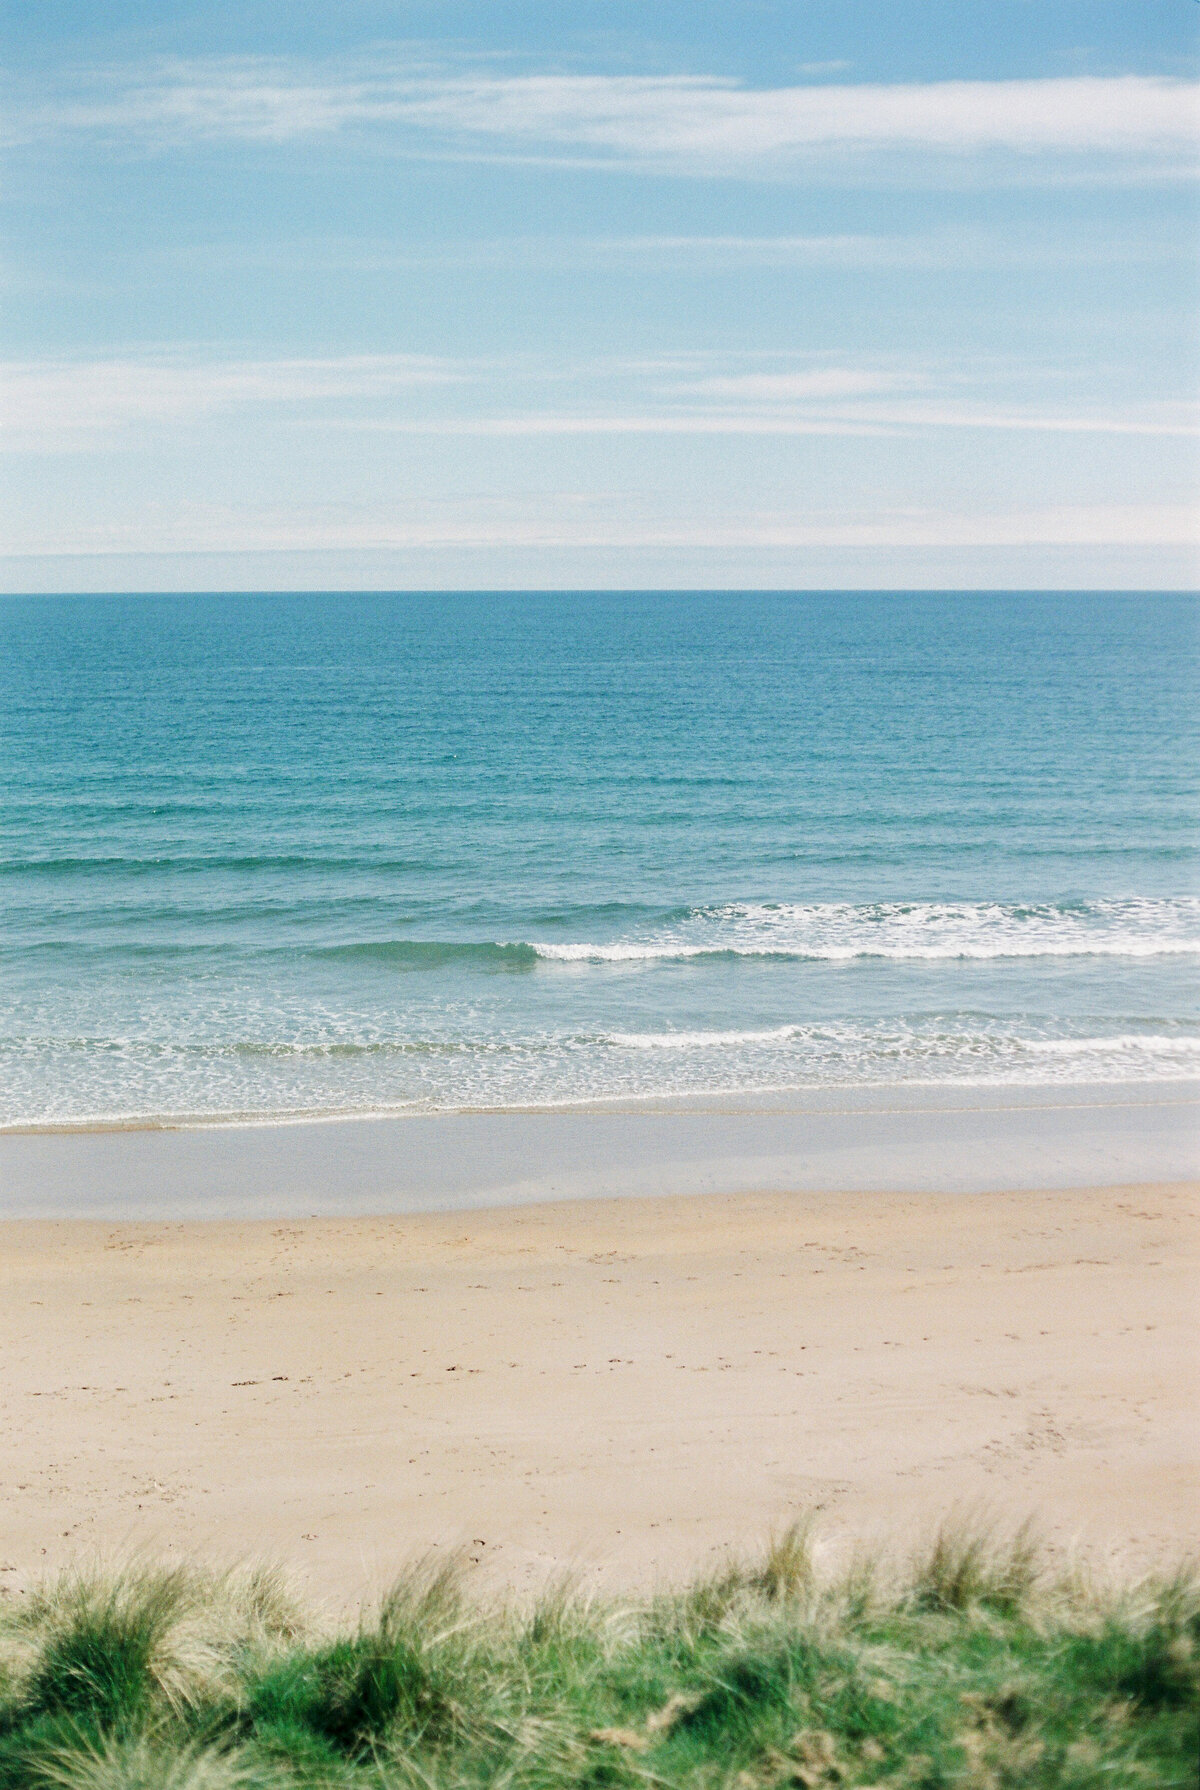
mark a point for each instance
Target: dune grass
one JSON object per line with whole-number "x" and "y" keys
{"x": 971, "y": 1666}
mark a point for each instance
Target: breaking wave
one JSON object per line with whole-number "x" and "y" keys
{"x": 835, "y": 932}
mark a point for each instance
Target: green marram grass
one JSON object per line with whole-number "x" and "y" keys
{"x": 971, "y": 1667}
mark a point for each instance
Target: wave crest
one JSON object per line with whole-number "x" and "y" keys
{"x": 839, "y": 932}
{"x": 430, "y": 954}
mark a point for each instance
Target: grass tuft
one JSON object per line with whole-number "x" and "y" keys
{"x": 967, "y": 1564}
{"x": 786, "y": 1569}
{"x": 145, "y": 1764}
{"x": 101, "y": 1654}
{"x": 975, "y": 1668}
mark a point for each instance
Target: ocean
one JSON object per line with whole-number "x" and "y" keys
{"x": 287, "y": 855}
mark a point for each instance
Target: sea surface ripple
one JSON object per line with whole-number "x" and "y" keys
{"x": 307, "y": 854}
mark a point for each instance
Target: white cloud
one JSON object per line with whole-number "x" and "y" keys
{"x": 57, "y": 398}
{"x": 668, "y": 121}
{"x": 818, "y": 382}
{"x": 626, "y": 423}
{"x": 1002, "y": 246}
{"x": 704, "y": 118}
{"x": 1175, "y": 419}
{"x": 76, "y": 405}
{"x": 567, "y": 522}
{"x": 819, "y": 421}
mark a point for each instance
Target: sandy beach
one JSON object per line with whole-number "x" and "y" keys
{"x": 620, "y": 1387}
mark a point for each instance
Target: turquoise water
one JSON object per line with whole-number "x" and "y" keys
{"x": 301, "y": 854}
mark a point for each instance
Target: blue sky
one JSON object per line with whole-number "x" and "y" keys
{"x": 771, "y": 293}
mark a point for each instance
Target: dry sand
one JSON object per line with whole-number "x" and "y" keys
{"x": 626, "y": 1387}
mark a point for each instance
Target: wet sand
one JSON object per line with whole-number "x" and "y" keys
{"x": 624, "y": 1386}
{"x": 908, "y": 1138}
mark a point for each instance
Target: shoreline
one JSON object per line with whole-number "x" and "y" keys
{"x": 988, "y": 1139}
{"x": 624, "y": 1388}
{"x": 853, "y": 1097}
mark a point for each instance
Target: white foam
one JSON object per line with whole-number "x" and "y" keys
{"x": 701, "y": 1040}
{"x": 836, "y": 932}
{"x": 377, "y": 1041}
{"x": 624, "y": 953}
{"x": 1154, "y": 1044}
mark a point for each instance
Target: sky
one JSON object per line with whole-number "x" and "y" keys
{"x": 771, "y": 293}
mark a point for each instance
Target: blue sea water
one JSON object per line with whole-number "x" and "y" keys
{"x": 304, "y": 854}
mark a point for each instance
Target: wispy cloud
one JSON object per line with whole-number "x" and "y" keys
{"x": 73, "y": 398}
{"x": 701, "y": 118}
{"x": 963, "y": 248}
{"x": 672, "y": 122}
{"x": 859, "y": 422}
{"x": 814, "y": 382}
{"x": 71, "y": 405}
{"x": 567, "y": 521}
